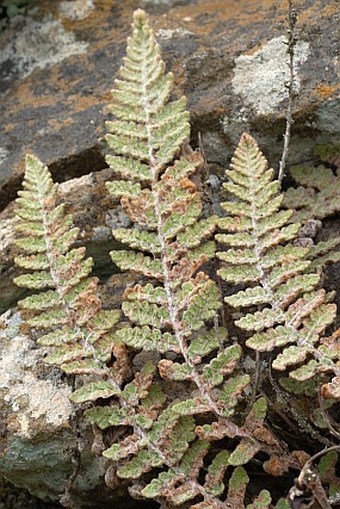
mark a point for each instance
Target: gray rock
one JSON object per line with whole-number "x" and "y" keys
{"x": 38, "y": 437}
{"x": 229, "y": 60}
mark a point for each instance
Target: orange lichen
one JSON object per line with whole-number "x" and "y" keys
{"x": 324, "y": 91}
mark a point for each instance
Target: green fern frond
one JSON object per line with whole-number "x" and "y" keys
{"x": 160, "y": 436}
{"x": 202, "y": 473}
{"x": 293, "y": 315}
{"x": 170, "y": 236}
{"x": 149, "y": 130}
{"x": 318, "y": 195}
{"x": 66, "y": 311}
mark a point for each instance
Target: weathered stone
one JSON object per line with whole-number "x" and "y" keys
{"x": 38, "y": 437}
{"x": 228, "y": 57}
{"x": 17, "y": 498}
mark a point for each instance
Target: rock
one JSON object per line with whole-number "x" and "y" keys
{"x": 36, "y": 435}
{"x": 15, "y": 498}
{"x": 38, "y": 438}
{"x": 59, "y": 61}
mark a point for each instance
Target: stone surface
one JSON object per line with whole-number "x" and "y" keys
{"x": 17, "y": 498}
{"x": 59, "y": 61}
{"x": 37, "y": 438}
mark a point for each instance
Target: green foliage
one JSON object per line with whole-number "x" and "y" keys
{"x": 317, "y": 195}
{"x": 292, "y": 310}
{"x": 66, "y": 311}
{"x": 186, "y": 429}
{"x": 173, "y": 310}
{"x": 170, "y": 236}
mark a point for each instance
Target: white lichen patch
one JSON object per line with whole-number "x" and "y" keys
{"x": 260, "y": 78}
{"x": 39, "y": 44}
{"x": 77, "y": 9}
{"x": 4, "y": 152}
{"x": 166, "y": 33}
{"x": 26, "y": 397}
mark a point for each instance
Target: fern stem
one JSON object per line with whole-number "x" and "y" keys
{"x": 49, "y": 251}
{"x": 217, "y": 504}
{"x": 289, "y": 115}
{"x": 173, "y": 311}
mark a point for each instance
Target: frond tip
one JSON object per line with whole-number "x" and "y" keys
{"x": 148, "y": 130}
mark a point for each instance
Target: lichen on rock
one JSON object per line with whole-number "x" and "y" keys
{"x": 260, "y": 77}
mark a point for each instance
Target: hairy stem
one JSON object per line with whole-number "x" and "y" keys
{"x": 290, "y": 86}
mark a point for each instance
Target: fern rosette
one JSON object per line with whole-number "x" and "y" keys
{"x": 65, "y": 308}
{"x": 178, "y": 438}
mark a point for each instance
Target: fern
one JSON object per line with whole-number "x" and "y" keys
{"x": 293, "y": 313}
{"x": 169, "y": 313}
{"x": 173, "y": 311}
{"x": 178, "y": 438}
{"x": 317, "y": 195}
{"x": 66, "y": 310}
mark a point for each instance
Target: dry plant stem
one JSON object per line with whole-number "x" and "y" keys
{"x": 311, "y": 460}
{"x": 326, "y": 417}
{"x": 318, "y": 491}
{"x": 289, "y": 120}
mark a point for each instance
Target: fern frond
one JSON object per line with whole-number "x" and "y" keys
{"x": 170, "y": 235}
{"x": 148, "y": 130}
{"x": 67, "y": 309}
{"x": 198, "y": 476}
{"x": 318, "y": 195}
{"x": 293, "y": 315}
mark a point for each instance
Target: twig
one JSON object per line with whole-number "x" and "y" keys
{"x": 307, "y": 487}
{"x": 311, "y": 460}
{"x": 292, "y": 17}
{"x": 326, "y": 417}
